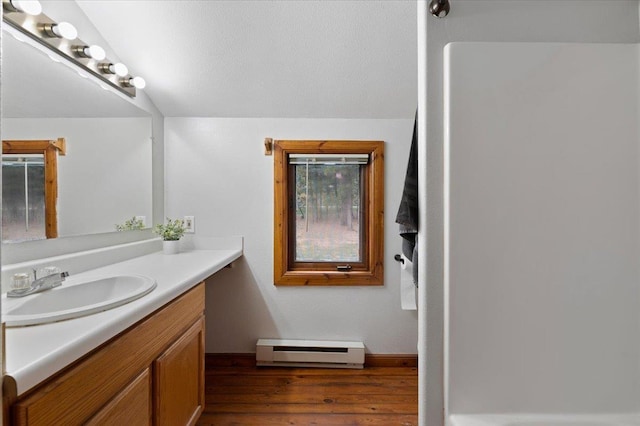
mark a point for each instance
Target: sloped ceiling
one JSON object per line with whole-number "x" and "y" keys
{"x": 267, "y": 58}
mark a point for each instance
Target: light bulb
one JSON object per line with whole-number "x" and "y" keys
{"x": 62, "y": 30}
{"x": 120, "y": 69}
{"x": 93, "y": 51}
{"x": 96, "y": 52}
{"x": 139, "y": 82}
{"x": 30, "y": 7}
{"x": 66, "y": 31}
{"x": 19, "y": 36}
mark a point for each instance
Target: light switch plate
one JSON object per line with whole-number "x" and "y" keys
{"x": 190, "y": 224}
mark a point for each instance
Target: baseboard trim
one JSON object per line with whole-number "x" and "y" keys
{"x": 218, "y": 360}
{"x": 391, "y": 360}
{"x": 229, "y": 360}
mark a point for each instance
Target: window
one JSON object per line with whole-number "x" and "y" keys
{"x": 329, "y": 211}
{"x": 23, "y": 202}
{"x": 30, "y": 189}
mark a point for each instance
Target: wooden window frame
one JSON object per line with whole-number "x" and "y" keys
{"x": 49, "y": 149}
{"x": 370, "y": 271}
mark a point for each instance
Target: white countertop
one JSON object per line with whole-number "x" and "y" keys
{"x": 34, "y": 353}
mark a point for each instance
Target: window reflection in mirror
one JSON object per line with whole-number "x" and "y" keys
{"x": 33, "y": 188}
{"x": 23, "y": 204}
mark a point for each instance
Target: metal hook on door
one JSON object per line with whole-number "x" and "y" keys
{"x": 439, "y": 8}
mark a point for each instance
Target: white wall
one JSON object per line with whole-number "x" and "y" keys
{"x": 105, "y": 176}
{"x": 544, "y": 228}
{"x": 594, "y": 21}
{"x": 216, "y": 170}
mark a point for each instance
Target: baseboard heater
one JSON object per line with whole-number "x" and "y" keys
{"x": 309, "y": 353}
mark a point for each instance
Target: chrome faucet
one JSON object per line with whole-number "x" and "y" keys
{"x": 40, "y": 284}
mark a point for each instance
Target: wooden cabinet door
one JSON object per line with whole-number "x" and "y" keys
{"x": 131, "y": 407}
{"x": 106, "y": 386}
{"x": 179, "y": 379}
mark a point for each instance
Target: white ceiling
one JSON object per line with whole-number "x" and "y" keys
{"x": 267, "y": 58}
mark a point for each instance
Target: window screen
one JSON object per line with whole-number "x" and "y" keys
{"x": 328, "y": 208}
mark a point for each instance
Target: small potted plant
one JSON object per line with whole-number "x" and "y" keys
{"x": 171, "y": 234}
{"x": 132, "y": 224}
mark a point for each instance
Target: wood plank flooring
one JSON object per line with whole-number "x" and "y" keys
{"x": 276, "y": 396}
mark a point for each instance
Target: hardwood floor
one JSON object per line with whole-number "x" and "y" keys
{"x": 270, "y": 396}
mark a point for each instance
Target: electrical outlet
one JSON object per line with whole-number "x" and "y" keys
{"x": 190, "y": 224}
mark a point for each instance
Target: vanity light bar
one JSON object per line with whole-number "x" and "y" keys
{"x": 62, "y": 38}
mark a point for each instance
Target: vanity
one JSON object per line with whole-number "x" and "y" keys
{"x": 139, "y": 363}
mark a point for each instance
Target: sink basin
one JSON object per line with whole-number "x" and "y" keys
{"x": 75, "y": 299}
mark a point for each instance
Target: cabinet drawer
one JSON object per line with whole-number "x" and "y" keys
{"x": 131, "y": 407}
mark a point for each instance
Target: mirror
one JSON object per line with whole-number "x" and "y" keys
{"x": 104, "y": 178}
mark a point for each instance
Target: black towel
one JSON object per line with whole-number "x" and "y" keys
{"x": 407, "y": 216}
